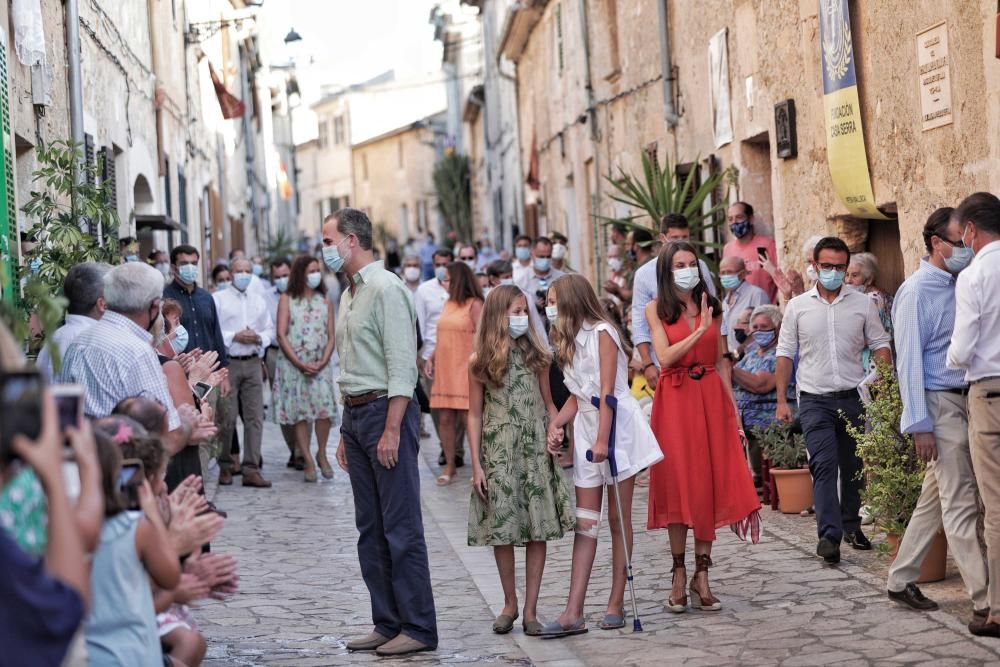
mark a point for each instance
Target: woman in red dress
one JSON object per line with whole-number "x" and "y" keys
{"x": 703, "y": 481}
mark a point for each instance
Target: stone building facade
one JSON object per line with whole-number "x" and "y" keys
{"x": 594, "y": 89}
{"x": 393, "y": 179}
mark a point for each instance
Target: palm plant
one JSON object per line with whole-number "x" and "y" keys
{"x": 282, "y": 244}
{"x": 660, "y": 191}
{"x": 451, "y": 184}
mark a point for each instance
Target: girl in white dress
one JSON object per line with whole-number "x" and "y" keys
{"x": 594, "y": 361}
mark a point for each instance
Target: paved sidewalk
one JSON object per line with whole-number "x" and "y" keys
{"x": 302, "y": 596}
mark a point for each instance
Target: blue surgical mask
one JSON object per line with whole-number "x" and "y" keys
{"x": 730, "y": 281}
{"x": 180, "y": 341}
{"x": 542, "y": 264}
{"x": 281, "y": 284}
{"x": 257, "y": 269}
{"x": 188, "y": 273}
{"x": 35, "y": 265}
{"x": 522, "y": 253}
{"x": 241, "y": 281}
{"x": 763, "y": 338}
{"x": 740, "y": 229}
{"x": 223, "y": 284}
{"x": 441, "y": 273}
{"x": 518, "y": 325}
{"x": 506, "y": 281}
{"x": 551, "y": 313}
{"x": 687, "y": 278}
{"x": 332, "y": 258}
{"x": 960, "y": 258}
{"x": 314, "y": 279}
{"x": 831, "y": 279}
{"x": 131, "y": 258}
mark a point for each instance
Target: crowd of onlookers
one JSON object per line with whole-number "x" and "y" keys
{"x": 108, "y": 548}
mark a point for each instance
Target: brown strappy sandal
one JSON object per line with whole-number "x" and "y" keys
{"x": 701, "y": 564}
{"x": 678, "y": 607}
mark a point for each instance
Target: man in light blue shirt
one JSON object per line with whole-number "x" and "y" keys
{"x": 935, "y": 412}
{"x": 673, "y": 227}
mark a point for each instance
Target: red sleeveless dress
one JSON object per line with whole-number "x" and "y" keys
{"x": 703, "y": 481}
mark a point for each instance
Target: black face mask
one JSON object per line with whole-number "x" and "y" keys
{"x": 631, "y": 254}
{"x": 740, "y": 335}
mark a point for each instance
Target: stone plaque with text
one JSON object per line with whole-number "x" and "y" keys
{"x": 935, "y": 76}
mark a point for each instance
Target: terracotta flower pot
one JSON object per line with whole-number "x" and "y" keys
{"x": 795, "y": 490}
{"x": 935, "y": 563}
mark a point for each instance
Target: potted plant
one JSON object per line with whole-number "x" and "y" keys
{"x": 893, "y": 474}
{"x": 786, "y": 452}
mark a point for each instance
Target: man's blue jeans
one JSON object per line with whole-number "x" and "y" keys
{"x": 832, "y": 451}
{"x": 391, "y": 545}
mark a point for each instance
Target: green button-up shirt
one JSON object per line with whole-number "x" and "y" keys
{"x": 377, "y": 335}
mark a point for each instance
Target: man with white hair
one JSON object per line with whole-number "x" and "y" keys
{"x": 114, "y": 359}
{"x": 84, "y": 290}
{"x": 739, "y": 295}
{"x": 247, "y": 331}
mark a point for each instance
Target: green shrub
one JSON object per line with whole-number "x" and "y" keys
{"x": 784, "y": 449}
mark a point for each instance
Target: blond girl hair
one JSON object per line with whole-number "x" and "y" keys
{"x": 577, "y": 304}
{"x": 493, "y": 345}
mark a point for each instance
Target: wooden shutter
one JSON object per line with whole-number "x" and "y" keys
{"x": 109, "y": 176}
{"x": 9, "y": 237}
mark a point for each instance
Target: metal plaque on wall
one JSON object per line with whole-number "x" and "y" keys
{"x": 784, "y": 129}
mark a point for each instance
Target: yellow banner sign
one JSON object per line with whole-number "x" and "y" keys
{"x": 845, "y": 138}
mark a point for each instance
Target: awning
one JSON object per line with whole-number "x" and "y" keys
{"x": 156, "y": 222}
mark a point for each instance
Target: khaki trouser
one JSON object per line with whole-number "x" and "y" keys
{"x": 948, "y": 500}
{"x": 246, "y": 380}
{"x": 984, "y": 440}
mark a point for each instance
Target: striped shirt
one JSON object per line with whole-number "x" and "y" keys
{"x": 923, "y": 314}
{"x": 114, "y": 359}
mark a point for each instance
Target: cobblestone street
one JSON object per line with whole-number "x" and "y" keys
{"x": 301, "y": 594}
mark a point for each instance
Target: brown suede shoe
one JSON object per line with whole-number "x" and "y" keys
{"x": 225, "y": 477}
{"x": 369, "y": 643}
{"x": 253, "y": 478}
{"x": 402, "y": 645}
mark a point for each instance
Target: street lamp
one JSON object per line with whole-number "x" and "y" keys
{"x": 292, "y": 36}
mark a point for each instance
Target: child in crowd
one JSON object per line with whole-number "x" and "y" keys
{"x": 134, "y": 548}
{"x": 594, "y": 360}
{"x": 519, "y": 495}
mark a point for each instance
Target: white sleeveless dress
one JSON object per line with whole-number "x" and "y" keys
{"x": 635, "y": 446}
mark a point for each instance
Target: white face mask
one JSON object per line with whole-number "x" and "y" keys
{"x": 506, "y": 281}
{"x": 615, "y": 264}
{"x": 551, "y": 313}
{"x": 687, "y": 278}
{"x": 558, "y": 251}
{"x": 518, "y": 325}
{"x": 811, "y": 273}
{"x": 411, "y": 274}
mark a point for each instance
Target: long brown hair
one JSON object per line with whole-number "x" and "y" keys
{"x": 669, "y": 300}
{"x": 493, "y": 345}
{"x": 297, "y": 277}
{"x": 462, "y": 283}
{"x": 577, "y": 304}
{"x": 109, "y": 457}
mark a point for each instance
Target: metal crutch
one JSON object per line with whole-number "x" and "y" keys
{"x": 612, "y": 403}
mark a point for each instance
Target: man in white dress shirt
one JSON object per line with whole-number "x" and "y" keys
{"x": 84, "y": 289}
{"x": 429, "y": 301}
{"x": 247, "y": 331}
{"x": 828, "y": 327}
{"x": 975, "y": 348}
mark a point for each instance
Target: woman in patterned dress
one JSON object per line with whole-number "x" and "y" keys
{"x": 303, "y": 385}
{"x": 519, "y": 497}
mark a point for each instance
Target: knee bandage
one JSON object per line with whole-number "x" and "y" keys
{"x": 588, "y": 522}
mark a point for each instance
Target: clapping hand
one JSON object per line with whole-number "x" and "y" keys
{"x": 204, "y": 367}
{"x": 214, "y": 570}
{"x": 188, "y": 530}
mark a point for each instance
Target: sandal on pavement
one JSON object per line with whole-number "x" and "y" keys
{"x": 504, "y": 623}
{"x": 444, "y": 480}
{"x": 532, "y": 628}
{"x": 710, "y": 603}
{"x": 681, "y": 605}
{"x": 555, "y": 629}
{"x": 310, "y": 475}
{"x": 326, "y": 469}
{"x": 612, "y": 622}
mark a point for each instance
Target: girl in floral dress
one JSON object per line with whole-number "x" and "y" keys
{"x": 303, "y": 384}
{"x": 519, "y": 495}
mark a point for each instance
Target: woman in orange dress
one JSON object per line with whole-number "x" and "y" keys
{"x": 704, "y": 481}
{"x": 449, "y": 365}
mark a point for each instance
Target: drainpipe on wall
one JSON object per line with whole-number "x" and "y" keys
{"x": 595, "y": 135}
{"x": 669, "y": 111}
{"x": 75, "y": 82}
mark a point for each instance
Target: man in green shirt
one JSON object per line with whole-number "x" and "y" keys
{"x": 379, "y": 438}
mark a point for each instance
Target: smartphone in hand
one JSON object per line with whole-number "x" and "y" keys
{"x": 762, "y": 255}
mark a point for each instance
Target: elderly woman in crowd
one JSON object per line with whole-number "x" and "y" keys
{"x": 861, "y": 274}
{"x": 754, "y": 380}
